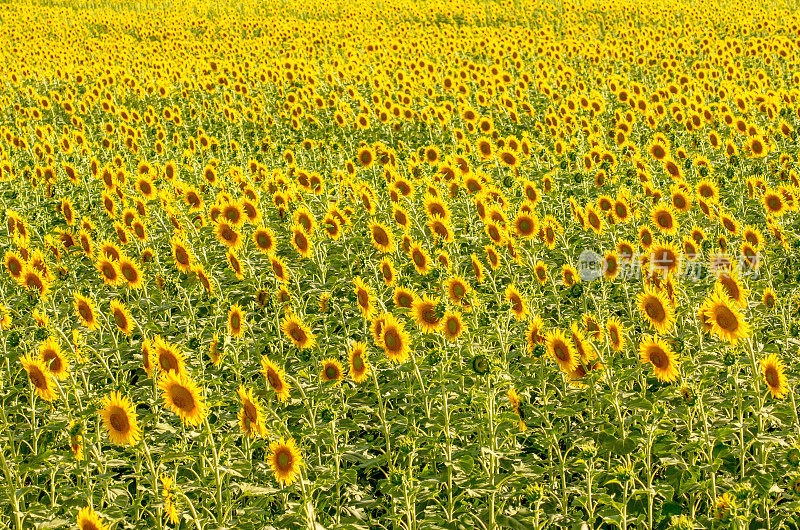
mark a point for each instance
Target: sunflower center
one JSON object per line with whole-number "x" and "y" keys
{"x": 655, "y": 310}
{"x": 119, "y": 420}
{"x": 380, "y": 237}
{"x": 452, "y": 325}
{"x": 771, "y": 376}
{"x": 726, "y": 319}
{"x": 182, "y": 398}
{"x": 284, "y": 460}
{"x": 37, "y": 378}
{"x": 331, "y": 372}
{"x": 659, "y": 358}
{"x": 561, "y": 351}
{"x": 363, "y": 298}
{"x": 85, "y": 311}
{"x": 392, "y": 339}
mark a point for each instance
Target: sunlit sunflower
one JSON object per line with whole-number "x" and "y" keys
{"x": 425, "y": 312}
{"x": 364, "y": 297}
{"x": 561, "y": 350}
{"x": 774, "y": 375}
{"x": 89, "y": 520}
{"x": 228, "y": 236}
{"x": 130, "y": 272}
{"x": 264, "y": 239}
{"x": 358, "y": 363}
{"x": 388, "y": 272}
{"x": 382, "y": 238}
{"x": 403, "y": 297}
{"x": 420, "y": 258}
{"x": 664, "y": 217}
{"x": 53, "y": 357}
{"x": 457, "y": 289}
{"x": 298, "y": 332}
{"x": 615, "y": 333}
{"x": 452, "y": 325}
{"x": 122, "y": 317}
{"x": 519, "y": 306}
{"x": 279, "y": 268}
{"x": 119, "y": 419}
{"x": 86, "y": 310}
{"x": 658, "y": 353}
{"x": 40, "y": 378}
{"x": 332, "y": 370}
{"x": 724, "y": 318}
{"x": 301, "y": 241}
{"x": 534, "y": 335}
{"x": 251, "y": 415}
{"x": 181, "y": 254}
{"x": 236, "y": 321}
{"x": 276, "y": 378}
{"x": 655, "y": 306}
{"x": 395, "y": 341}
{"x": 168, "y": 358}
{"x": 768, "y": 297}
{"x": 285, "y": 460}
{"x": 183, "y": 397}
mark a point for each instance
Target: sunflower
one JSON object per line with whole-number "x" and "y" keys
{"x": 301, "y": 241}
{"x": 264, "y": 239}
{"x": 35, "y": 280}
{"x": 181, "y": 254}
{"x": 658, "y": 353}
{"x": 167, "y": 357}
{"x": 723, "y": 317}
{"x": 653, "y": 304}
{"x": 276, "y": 378}
{"x": 279, "y": 268}
{"x": 122, "y": 317}
{"x": 457, "y": 289}
{"x": 420, "y": 258}
{"x": 561, "y": 349}
{"x": 774, "y": 376}
{"x": 236, "y": 321}
{"x": 768, "y": 297}
{"x": 394, "y": 340}
{"x": 519, "y": 306}
{"x": 51, "y": 355}
{"x": 119, "y": 419}
{"x": 86, "y": 310}
{"x": 131, "y": 273}
{"x": 664, "y": 258}
{"x": 363, "y": 297}
{"x": 534, "y": 334}
{"x": 40, "y": 377}
{"x": 285, "y": 460}
{"x": 14, "y": 264}
{"x": 569, "y": 275}
{"x": 388, "y": 271}
{"x": 251, "y": 415}
{"x": 774, "y": 203}
{"x": 298, "y": 332}
{"x": 227, "y": 235}
{"x": 89, "y": 520}
{"x": 381, "y": 236}
{"x": 730, "y": 282}
{"x": 357, "y": 362}
{"x": 452, "y": 325}
{"x": 540, "y": 269}
{"x": 615, "y": 333}
{"x": 183, "y": 396}
{"x": 593, "y": 327}
{"x": 664, "y": 218}
{"x": 403, "y": 298}
{"x": 424, "y": 309}
{"x": 332, "y": 370}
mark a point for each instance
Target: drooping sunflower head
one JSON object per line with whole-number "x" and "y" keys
{"x": 40, "y": 377}
{"x": 51, "y": 355}
{"x": 772, "y": 369}
{"x": 251, "y": 415}
{"x": 276, "y": 378}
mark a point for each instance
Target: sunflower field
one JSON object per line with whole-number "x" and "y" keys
{"x": 400, "y": 264}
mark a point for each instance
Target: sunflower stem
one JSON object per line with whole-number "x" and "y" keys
{"x": 220, "y": 512}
